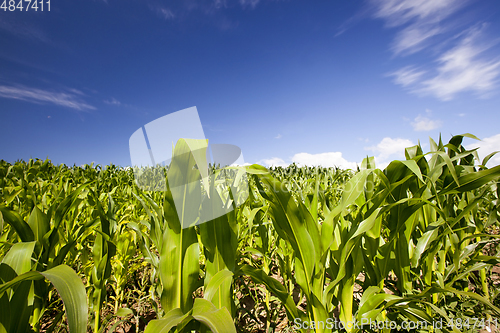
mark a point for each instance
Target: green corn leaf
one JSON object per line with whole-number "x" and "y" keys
{"x": 70, "y": 288}
{"x": 15, "y": 220}
{"x": 173, "y": 318}
{"x": 473, "y": 181}
{"x": 488, "y": 157}
{"x": 72, "y": 291}
{"x": 412, "y": 165}
{"x": 293, "y": 226}
{"x": 221, "y": 278}
{"x": 39, "y": 224}
{"x": 259, "y": 276}
{"x": 353, "y": 189}
{"x": 218, "y": 320}
{"x": 423, "y": 243}
{"x": 19, "y": 257}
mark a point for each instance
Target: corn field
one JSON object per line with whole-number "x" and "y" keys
{"x": 84, "y": 249}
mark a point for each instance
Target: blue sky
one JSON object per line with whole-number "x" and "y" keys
{"x": 315, "y": 82}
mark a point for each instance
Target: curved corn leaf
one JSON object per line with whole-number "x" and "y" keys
{"x": 70, "y": 288}
{"x": 218, "y": 320}
{"x": 15, "y": 220}
{"x": 19, "y": 257}
{"x": 215, "y": 283}
{"x": 259, "y": 276}
{"x": 173, "y": 318}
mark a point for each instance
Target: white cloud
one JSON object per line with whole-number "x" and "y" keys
{"x": 220, "y": 3}
{"x": 113, "y": 101}
{"x": 486, "y": 147}
{"x": 385, "y": 151}
{"x": 163, "y": 12}
{"x": 181, "y": 10}
{"x": 23, "y": 28}
{"x": 414, "y": 38}
{"x": 274, "y": 161}
{"x": 329, "y": 159}
{"x": 462, "y": 69}
{"x": 35, "y": 95}
{"x": 279, "y": 136}
{"x": 421, "y": 124}
{"x": 406, "y": 75}
{"x": 389, "y": 149}
{"x": 251, "y": 3}
{"x": 399, "y": 12}
{"x": 166, "y": 13}
{"x": 424, "y": 19}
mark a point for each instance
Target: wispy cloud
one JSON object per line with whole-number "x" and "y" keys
{"x": 399, "y": 12}
{"x": 250, "y": 3}
{"x": 414, "y": 38}
{"x": 220, "y": 3}
{"x": 389, "y": 149}
{"x": 425, "y": 123}
{"x": 407, "y": 75}
{"x": 68, "y": 99}
{"x": 279, "y": 136}
{"x": 353, "y": 20}
{"x": 423, "y": 20}
{"x": 464, "y": 68}
{"x": 214, "y": 9}
{"x": 23, "y": 29}
{"x": 112, "y": 101}
{"x": 166, "y": 13}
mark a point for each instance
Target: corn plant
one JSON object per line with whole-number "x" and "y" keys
{"x": 17, "y": 277}
{"x": 386, "y": 224}
{"x": 416, "y": 241}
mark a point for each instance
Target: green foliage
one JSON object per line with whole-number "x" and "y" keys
{"x": 417, "y": 241}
